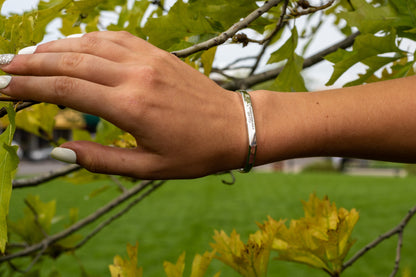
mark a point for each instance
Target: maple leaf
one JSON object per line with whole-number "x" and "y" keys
{"x": 199, "y": 265}
{"x": 249, "y": 259}
{"x": 126, "y": 267}
{"x": 321, "y": 239}
{"x": 175, "y": 270}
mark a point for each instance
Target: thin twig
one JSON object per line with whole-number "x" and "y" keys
{"x": 279, "y": 24}
{"x": 103, "y": 224}
{"x": 396, "y": 230}
{"x": 271, "y": 74}
{"x": 36, "y": 218}
{"x": 36, "y": 259}
{"x": 311, "y": 9}
{"x": 118, "y": 183}
{"x": 398, "y": 254}
{"x": 266, "y": 41}
{"x": 223, "y": 37}
{"x": 80, "y": 224}
{"x": 221, "y": 72}
{"x": 231, "y": 64}
{"x": 38, "y": 180}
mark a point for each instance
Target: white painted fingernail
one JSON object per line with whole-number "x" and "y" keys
{"x": 64, "y": 155}
{"x": 6, "y": 59}
{"x": 5, "y": 81}
{"x": 75, "y": 36}
{"x": 27, "y": 50}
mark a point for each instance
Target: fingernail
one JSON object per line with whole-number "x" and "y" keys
{"x": 75, "y": 36}
{"x": 6, "y": 59}
{"x": 27, "y": 50}
{"x": 5, "y": 81}
{"x": 64, "y": 155}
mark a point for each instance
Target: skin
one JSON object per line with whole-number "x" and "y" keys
{"x": 187, "y": 126}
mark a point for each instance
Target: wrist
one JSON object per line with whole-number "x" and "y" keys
{"x": 287, "y": 126}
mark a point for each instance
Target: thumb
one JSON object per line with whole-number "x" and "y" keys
{"x": 106, "y": 159}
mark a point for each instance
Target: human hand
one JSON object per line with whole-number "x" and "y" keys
{"x": 185, "y": 125}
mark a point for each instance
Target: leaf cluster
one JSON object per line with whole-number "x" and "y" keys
{"x": 386, "y": 27}
{"x": 321, "y": 239}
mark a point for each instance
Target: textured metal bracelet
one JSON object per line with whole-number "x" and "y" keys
{"x": 251, "y": 129}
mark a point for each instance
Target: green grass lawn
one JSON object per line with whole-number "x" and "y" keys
{"x": 182, "y": 215}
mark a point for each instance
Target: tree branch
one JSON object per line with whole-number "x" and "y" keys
{"x": 266, "y": 41}
{"x": 232, "y": 64}
{"x": 399, "y": 229}
{"x": 398, "y": 253}
{"x": 105, "y": 223}
{"x": 310, "y": 9}
{"x": 223, "y": 37}
{"x": 38, "y": 180}
{"x": 268, "y": 75}
{"x": 279, "y": 24}
{"x": 80, "y": 224}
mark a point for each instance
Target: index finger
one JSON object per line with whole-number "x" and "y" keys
{"x": 71, "y": 92}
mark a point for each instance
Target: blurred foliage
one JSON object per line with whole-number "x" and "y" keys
{"x": 386, "y": 27}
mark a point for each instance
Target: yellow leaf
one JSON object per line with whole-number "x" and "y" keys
{"x": 175, "y": 270}
{"x": 201, "y": 263}
{"x": 406, "y": 272}
{"x": 38, "y": 119}
{"x": 249, "y": 259}
{"x": 321, "y": 239}
{"x": 125, "y": 140}
{"x": 126, "y": 267}
{"x": 207, "y": 58}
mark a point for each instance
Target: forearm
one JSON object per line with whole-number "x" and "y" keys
{"x": 374, "y": 121}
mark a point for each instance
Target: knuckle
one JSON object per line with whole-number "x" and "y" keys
{"x": 90, "y": 42}
{"x": 149, "y": 75}
{"x": 71, "y": 61}
{"x": 124, "y": 34}
{"x": 64, "y": 86}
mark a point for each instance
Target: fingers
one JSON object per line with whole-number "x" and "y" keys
{"x": 114, "y": 46}
{"x": 74, "y": 65}
{"x": 109, "y": 160}
{"x": 77, "y": 94}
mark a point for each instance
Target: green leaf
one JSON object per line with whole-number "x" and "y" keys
{"x": 374, "y": 63}
{"x": 290, "y": 79}
{"x": 37, "y": 220}
{"x": 179, "y": 24}
{"x": 369, "y": 19}
{"x": 130, "y": 19}
{"x": 366, "y": 48}
{"x": 287, "y": 50}
{"x": 8, "y": 166}
{"x": 78, "y": 134}
{"x": 107, "y": 133}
